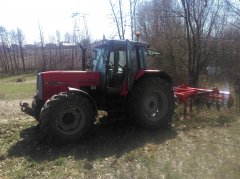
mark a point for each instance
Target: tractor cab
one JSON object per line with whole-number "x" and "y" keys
{"x": 118, "y": 62}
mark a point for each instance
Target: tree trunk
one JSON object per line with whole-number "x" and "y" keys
{"x": 22, "y": 57}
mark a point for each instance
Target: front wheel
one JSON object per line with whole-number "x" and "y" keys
{"x": 151, "y": 103}
{"x": 66, "y": 117}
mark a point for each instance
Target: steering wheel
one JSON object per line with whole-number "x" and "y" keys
{"x": 122, "y": 67}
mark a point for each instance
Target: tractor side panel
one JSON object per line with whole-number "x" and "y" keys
{"x": 59, "y": 81}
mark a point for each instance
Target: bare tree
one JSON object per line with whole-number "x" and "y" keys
{"x": 20, "y": 38}
{"x": 133, "y": 11}
{"x": 4, "y": 56}
{"x": 35, "y": 55}
{"x": 14, "y": 49}
{"x": 160, "y": 24}
{"x": 118, "y": 18}
{"x": 42, "y": 46}
{"x": 199, "y": 18}
{"x": 233, "y": 6}
{"x": 58, "y": 35}
{"x": 6, "y": 51}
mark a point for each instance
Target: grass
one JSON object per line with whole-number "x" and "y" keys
{"x": 206, "y": 145}
{"x": 17, "y": 87}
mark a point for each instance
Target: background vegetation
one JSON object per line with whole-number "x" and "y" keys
{"x": 194, "y": 38}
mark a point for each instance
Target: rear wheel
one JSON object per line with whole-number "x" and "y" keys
{"x": 66, "y": 117}
{"x": 151, "y": 103}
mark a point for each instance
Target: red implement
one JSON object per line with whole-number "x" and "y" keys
{"x": 213, "y": 96}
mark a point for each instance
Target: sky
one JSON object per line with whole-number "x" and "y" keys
{"x": 55, "y": 15}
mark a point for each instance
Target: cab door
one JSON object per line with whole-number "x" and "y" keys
{"x": 116, "y": 70}
{"x": 132, "y": 64}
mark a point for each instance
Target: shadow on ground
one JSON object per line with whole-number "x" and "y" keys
{"x": 113, "y": 139}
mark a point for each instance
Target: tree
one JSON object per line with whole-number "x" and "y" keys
{"x": 42, "y": 46}
{"x": 233, "y": 7}
{"x": 58, "y": 35}
{"x": 6, "y": 52}
{"x": 4, "y": 57}
{"x": 20, "y": 38}
{"x": 133, "y": 9}
{"x": 118, "y": 18}
{"x": 14, "y": 49}
{"x": 160, "y": 24}
{"x": 199, "y": 18}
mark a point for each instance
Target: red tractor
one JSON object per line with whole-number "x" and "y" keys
{"x": 118, "y": 82}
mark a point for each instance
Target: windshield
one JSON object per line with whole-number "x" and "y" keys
{"x": 99, "y": 59}
{"x": 142, "y": 56}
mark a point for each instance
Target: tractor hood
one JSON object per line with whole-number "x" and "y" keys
{"x": 74, "y": 79}
{"x": 53, "y": 82}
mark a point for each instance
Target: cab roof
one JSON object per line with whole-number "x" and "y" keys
{"x": 103, "y": 43}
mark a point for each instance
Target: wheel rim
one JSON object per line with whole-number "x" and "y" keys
{"x": 155, "y": 106}
{"x": 70, "y": 120}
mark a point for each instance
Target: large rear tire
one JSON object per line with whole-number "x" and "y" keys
{"x": 66, "y": 117}
{"x": 151, "y": 103}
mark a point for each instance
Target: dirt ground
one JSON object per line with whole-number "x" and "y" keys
{"x": 206, "y": 145}
{"x": 10, "y": 111}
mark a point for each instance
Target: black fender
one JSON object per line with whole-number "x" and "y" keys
{"x": 84, "y": 93}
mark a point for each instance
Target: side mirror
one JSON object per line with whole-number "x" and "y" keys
{"x": 152, "y": 52}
